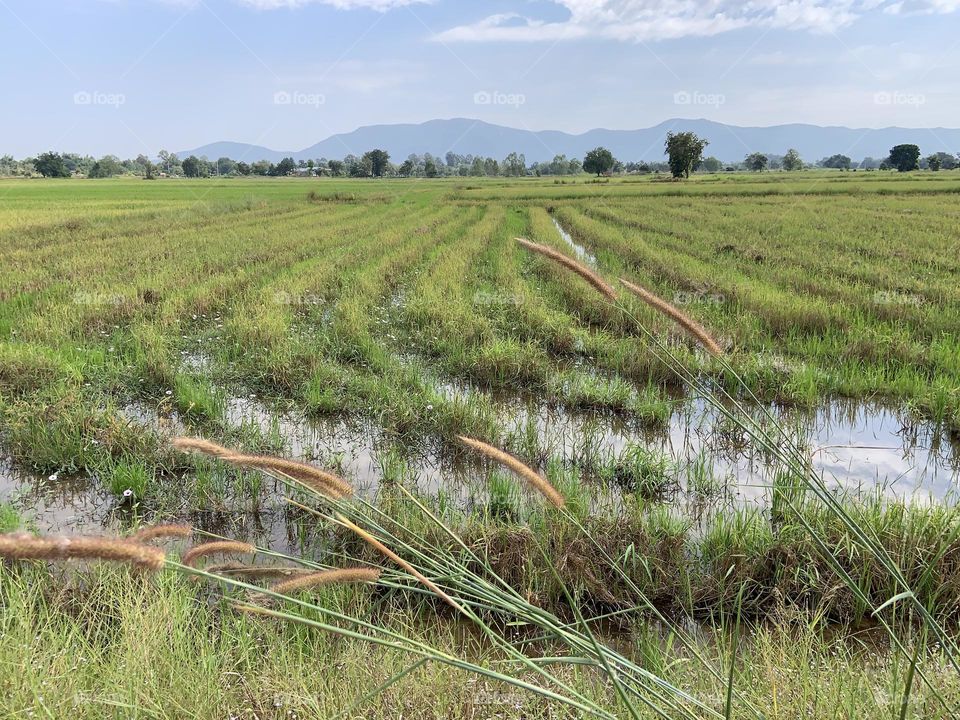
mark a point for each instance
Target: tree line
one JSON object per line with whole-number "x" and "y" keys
{"x": 684, "y": 151}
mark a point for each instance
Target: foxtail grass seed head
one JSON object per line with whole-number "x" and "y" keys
{"x": 326, "y": 577}
{"x": 691, "y": 326}
{"x": 319, "y": 480}
{"x": 582, "y": 270}
{"x": 390, "y": 554}
{"x": 161, "y": 531}
{"x": 323, "y": 482}
{"x": 217, "y": 547}
{"x": 535, "y": 479}
{"x": 201, "y": 446}
{"x": 257, "y": 572}
{"x": 27, "y": 547}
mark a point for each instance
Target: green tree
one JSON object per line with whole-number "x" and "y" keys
{"x": 430, "y": 168}
{"x": 169, "y": 163}
{"x": 242, "y": 168}
{"x": 378, "y": 161}
{"x": 684, "y": 151}
{"x": 756, "y": 162}
{"x": 360, "y": 167}
{"x": 105, "y": 167}
{"x": 283, "y": 168}
{"x": 191, "y": 166}
{"x": 477, "y": 169}
{"x": 792, "y": 160}
{"x": 139, "y": 165}
{"x": 710, "y": 164}
{"x": 514, "y": 165}
{"x": 226, "y": 166}
{"x": 51, "y": 164}
{"x": 905, "y": 157}
{"x": 837, "y": 162}
{"x": 947, "y": 161}
{"x": 599, "y": 160}
{"x": 261, "y": 167}
{"x": 934, "y": 162}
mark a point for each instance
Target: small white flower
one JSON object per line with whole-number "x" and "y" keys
{"x": 54, "y": 476}
{"x": 128, "y": 493}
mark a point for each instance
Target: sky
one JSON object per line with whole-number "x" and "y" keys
{"x": 127, "y": 77}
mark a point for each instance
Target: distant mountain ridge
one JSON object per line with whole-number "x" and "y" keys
{"x": 475, "y": 137}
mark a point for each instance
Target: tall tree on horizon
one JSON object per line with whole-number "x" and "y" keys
{"x": 685, "y": 152}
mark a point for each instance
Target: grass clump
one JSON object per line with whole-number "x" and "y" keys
{"x": 128, "y": 478}
{"x": 643, "y": 471}
{"x": 9, "y": 518}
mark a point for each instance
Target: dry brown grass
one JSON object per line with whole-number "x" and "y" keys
{"x": 691, "y": 326}
{"x": 257, "y": 572}
{"x": 322, "y": 481}
{"x": 327, "y": 577}
{"x": 535, "y": 479}
{"x": 161, "y": 531}
{"x": 23, "y": 546}
{"x": 582, "y": 270}
{"x": 206, "y": 447}
{"x": 217, "y": 547}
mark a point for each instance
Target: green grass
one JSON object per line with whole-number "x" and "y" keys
{"x": 103, "y": 644}
{"x": 407, "y": 306}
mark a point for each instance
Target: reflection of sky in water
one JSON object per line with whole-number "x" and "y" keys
{"x": 579, "y": 250}
{"x": 856, "y": 446}
{"x": 54, "y": 501}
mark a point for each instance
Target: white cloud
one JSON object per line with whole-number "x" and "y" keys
{"x": 642, "y": 20}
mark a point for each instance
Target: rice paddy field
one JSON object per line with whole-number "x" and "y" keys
{"x": 771, "y": 532}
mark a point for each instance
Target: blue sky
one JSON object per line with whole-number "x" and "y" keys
{"x": 135, "y": 76}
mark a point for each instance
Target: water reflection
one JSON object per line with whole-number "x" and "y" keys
{"x": 857, "y": 446}
{"x": 579, "y": 250}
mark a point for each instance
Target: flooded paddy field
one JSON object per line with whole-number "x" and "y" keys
{"x": 404, "y": 316}
{"x": 697, "y": 461}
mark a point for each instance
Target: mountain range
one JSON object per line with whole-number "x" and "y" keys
{"x": 475, "y": 137}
